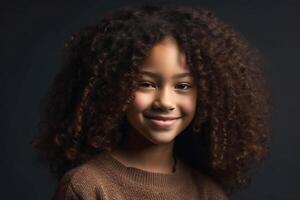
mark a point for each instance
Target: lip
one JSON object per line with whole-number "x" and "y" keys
{"x": 162, "y": 122}
{"x": 164, "y": 118}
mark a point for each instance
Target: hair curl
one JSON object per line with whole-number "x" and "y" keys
{"x": 83, "y": 111}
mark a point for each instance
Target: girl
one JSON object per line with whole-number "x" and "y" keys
{"x": 155, "y": 103}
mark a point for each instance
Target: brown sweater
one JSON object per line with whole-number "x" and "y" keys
{"x": 105, "y": 178}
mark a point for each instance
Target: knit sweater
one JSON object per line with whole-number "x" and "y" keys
{"x": 106, "y": 178}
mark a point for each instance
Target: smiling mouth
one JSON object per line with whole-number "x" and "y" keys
{"x": 161, "y": 123}
{"x": 163, "y": 118}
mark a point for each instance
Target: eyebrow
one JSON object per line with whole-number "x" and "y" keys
{"x": 157, "y": 76}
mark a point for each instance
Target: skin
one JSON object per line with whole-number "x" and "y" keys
{"x": 147, "y": 147}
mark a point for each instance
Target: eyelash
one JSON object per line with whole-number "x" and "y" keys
{"x": 143, "y": 83}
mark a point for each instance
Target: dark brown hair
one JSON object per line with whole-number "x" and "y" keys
{"x": 83, "y": 112}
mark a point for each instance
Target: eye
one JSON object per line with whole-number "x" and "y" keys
{"x": 146, "y": 84}
{"x": 184, "y": 86}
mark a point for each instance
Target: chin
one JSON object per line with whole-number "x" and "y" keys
{"x": 161, "y": 137}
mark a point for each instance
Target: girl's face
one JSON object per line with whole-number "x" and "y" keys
{"x": 165, "y": 102}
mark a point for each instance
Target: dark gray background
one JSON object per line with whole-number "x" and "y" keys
{"x": 32, "y": 37}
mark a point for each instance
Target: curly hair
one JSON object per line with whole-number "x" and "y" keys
{"x": 83, "y": 112}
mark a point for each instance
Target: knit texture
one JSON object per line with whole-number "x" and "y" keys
{"x": 105, "y": 178}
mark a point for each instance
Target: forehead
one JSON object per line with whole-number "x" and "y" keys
{"x": 165, "y": 59}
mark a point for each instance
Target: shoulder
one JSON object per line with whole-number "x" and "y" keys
{"x": 210, "y": 188}
{"x": 79, "y": 182}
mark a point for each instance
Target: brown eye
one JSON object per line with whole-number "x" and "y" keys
{"x": 184, "y": 86}
{"x": 146, "y": 84}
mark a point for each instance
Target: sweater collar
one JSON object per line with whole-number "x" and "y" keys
{"x": 141, "y": 176}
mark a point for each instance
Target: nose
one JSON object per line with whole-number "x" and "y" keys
{"x": 164, "y": 100}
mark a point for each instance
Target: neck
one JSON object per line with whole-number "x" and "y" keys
{"x": 140, "y": 153}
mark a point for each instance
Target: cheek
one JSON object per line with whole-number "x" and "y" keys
{"x": 140, "y": 102}
{"x": 188, "y": 105}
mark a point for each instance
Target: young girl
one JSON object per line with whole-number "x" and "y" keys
{"x": 155, "y": 102}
